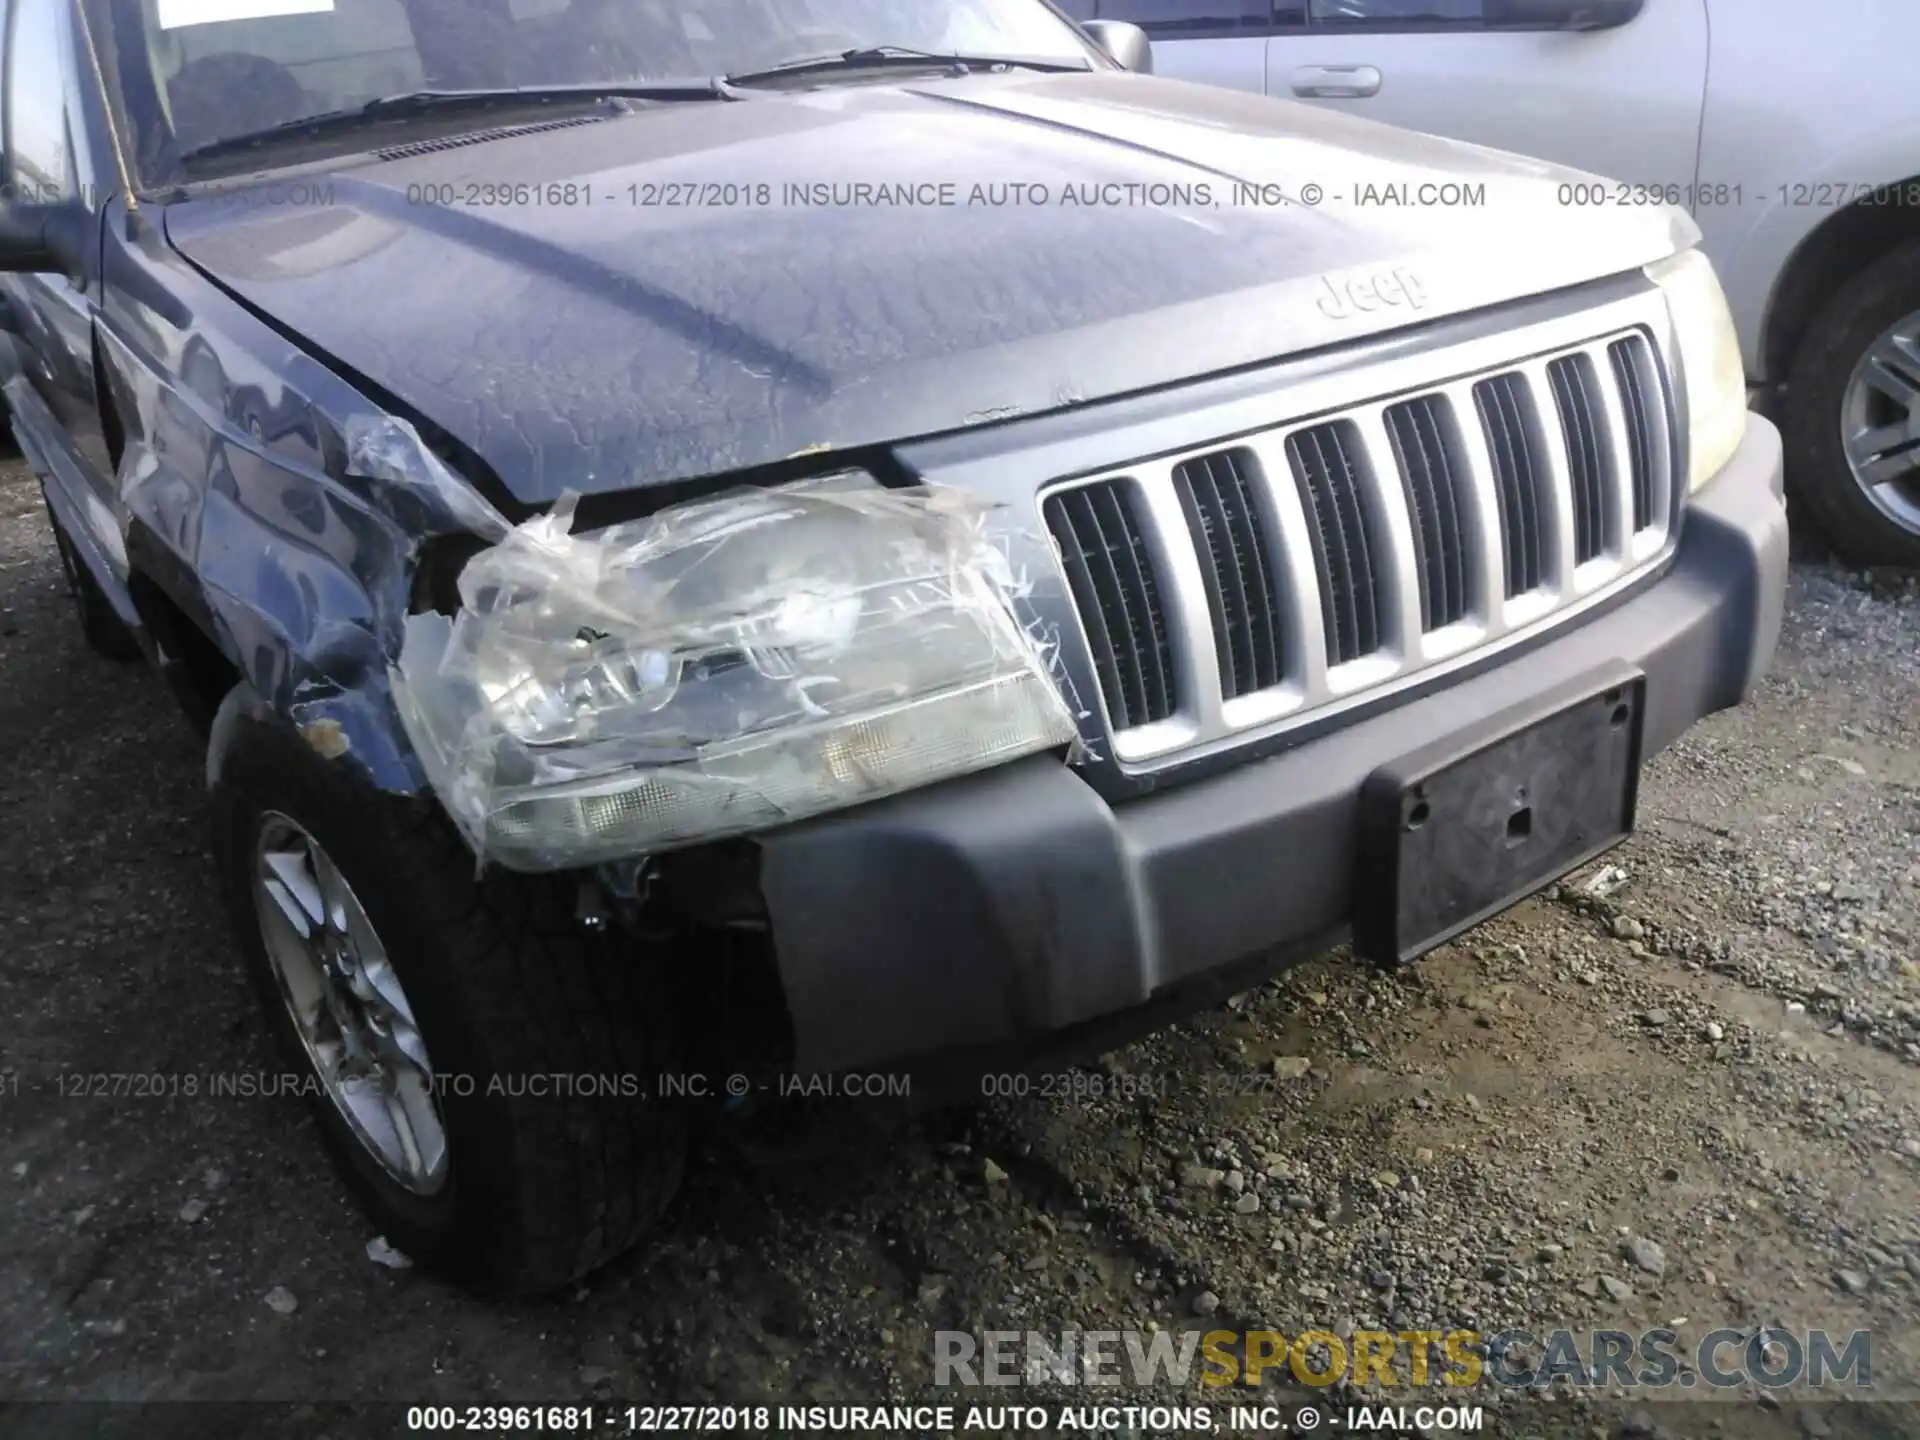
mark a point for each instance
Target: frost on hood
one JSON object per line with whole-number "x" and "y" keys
{"x": 381, "y": 447}
{"x": 722, "y": 667}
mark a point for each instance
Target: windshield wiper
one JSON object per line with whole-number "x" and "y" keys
{"x": 876, "y": 57}
{"x": 420, "y": 102}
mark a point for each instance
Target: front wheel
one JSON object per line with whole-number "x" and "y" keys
{"x": 482, "y": 1067}
{"x": 1852, "y": 415}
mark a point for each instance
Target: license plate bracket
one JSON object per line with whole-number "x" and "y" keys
{"x": 1455, "y": 833}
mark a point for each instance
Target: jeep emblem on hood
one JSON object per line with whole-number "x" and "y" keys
{"x": 1363, "y": 294}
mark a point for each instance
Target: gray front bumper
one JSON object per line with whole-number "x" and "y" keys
{"x": 1001, "y": 912}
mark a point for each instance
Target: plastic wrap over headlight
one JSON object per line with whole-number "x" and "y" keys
{"x": 1716, "y": 377}
{"x": 721, "y": 667}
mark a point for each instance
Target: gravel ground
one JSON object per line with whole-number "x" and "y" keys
{"x": 1690, "y": 1102}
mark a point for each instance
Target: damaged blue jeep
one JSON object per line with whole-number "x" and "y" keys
{"x": 713, "y": 541}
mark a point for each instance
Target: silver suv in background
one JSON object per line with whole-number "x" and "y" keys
{"x": 1789, "y": 130}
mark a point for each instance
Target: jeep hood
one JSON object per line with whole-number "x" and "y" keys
{"x": 654, "y": 305}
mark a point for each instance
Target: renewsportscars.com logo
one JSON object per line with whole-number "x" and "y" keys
{"x": 1723, "y": 1359}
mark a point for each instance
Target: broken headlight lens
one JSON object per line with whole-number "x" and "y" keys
{"x": 722, "y": 667}
{"x": 1716, "y": 376}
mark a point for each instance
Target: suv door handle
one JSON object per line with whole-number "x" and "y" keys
{"x": 1336, "y": 82}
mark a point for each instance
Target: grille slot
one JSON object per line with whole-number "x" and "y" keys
{"x": 1520, "y": 477}
{"x": 1426, "y": 447}
{"x": 1217, "y": 493}
{"x": 1590, "y": 460}
{"x": 1412, "y": 516}
{"x": 1109, "y": 569}
{"x": 1639, "y": 386}
{"x": 1331, "y": 468}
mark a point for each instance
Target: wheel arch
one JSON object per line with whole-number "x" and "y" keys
{"x": 241, "y": 706}
{"x": 198, "y": 671}
{"x": 1839, "y": 248}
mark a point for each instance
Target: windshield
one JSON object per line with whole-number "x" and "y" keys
{"x": 199, "y": 71}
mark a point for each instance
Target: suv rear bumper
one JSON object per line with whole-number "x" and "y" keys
{"x": 1013, "y": 912}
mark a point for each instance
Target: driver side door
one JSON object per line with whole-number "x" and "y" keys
{"x": 46, "y": 159}
{"x": 53, "y": 402}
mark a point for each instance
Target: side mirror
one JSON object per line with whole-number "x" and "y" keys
{"x": 47, "y": 239}
{"x": 1124, "y": 43}
{"x": 1564, "y": 14}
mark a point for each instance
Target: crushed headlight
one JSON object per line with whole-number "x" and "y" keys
{"x": 1716, "y": 376}
{"x": 721, "y": 667}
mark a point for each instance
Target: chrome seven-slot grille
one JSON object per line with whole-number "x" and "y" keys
{"x": 1228, "y": 588}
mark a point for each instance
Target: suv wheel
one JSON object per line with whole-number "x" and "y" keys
{"x": 1852, "y": 416}
{"x": 99, "y": 625}
{"x": 481, "y": 1066}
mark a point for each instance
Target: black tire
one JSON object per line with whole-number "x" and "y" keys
{"x": 1818, "y": 474}
{"x": 505, "y": 984}
{"x": 100, "y": 627}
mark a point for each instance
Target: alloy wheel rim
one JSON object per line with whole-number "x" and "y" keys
{"x": 1880, "y": 424}
{"x": 347, "y": 1005}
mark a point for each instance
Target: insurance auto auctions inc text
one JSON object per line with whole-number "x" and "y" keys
{"x": 921, "y": 1420}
